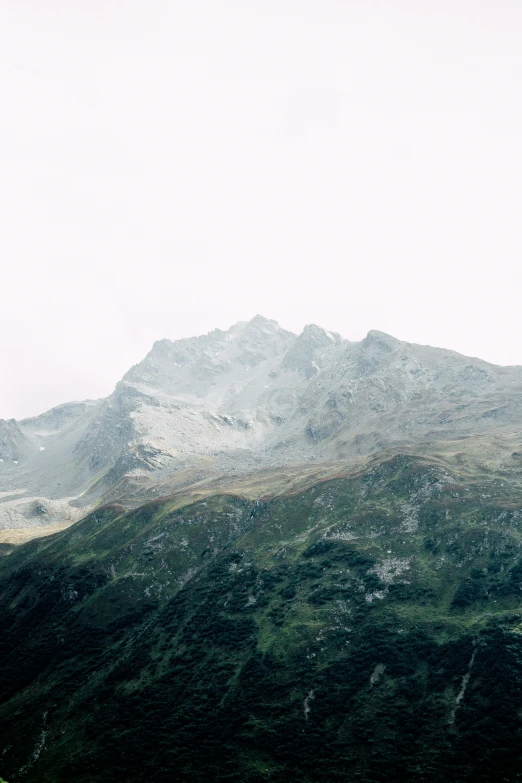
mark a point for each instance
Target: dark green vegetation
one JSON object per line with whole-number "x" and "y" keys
{"x": 367, "y": 628}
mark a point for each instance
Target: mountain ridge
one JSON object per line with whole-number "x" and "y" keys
{"x": 249, "y": 397}
{"x": 295, "y": 558}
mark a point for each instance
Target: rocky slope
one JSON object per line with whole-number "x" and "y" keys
{"x": 235, "y": 401}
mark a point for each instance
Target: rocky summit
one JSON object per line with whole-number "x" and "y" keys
{"x": 267, "y": 557}
{"x": 232, "y": 402}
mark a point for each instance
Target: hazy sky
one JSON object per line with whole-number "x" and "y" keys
{"x": 171, "y": 167}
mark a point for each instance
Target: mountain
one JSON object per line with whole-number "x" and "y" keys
{"x": 360, "y": 624}
{"x": 254, "y": 396}
{"x": 267, "y": 557}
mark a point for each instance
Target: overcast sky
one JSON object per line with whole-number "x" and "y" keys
{"x": 171, "y": 167}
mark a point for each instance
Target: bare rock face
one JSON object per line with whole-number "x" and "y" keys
{"x": 250, "y": 397}
{"x": 313, "y": 350}
{"x": 14, "y": 444}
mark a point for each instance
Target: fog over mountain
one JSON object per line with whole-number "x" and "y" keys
{"x": 253, "y": 397}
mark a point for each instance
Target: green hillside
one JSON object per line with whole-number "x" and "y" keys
{"x": 366, "y": 627}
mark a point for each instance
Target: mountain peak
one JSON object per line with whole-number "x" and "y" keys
{"x": 375, "y": 334}
{"x": 314, "y": 332}
{"x": 262, "y": 321}
{"x": 260, "y": 325}
{"x": 253, "y": 395}
{"x": 380, "y": 341}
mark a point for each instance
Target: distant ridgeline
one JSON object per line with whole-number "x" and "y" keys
{"x": 365, "y": 625}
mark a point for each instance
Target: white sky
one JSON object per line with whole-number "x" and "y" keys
{"x": 171, "y": 167}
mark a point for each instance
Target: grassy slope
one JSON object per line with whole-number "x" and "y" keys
{"x": 323, "y": 634}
